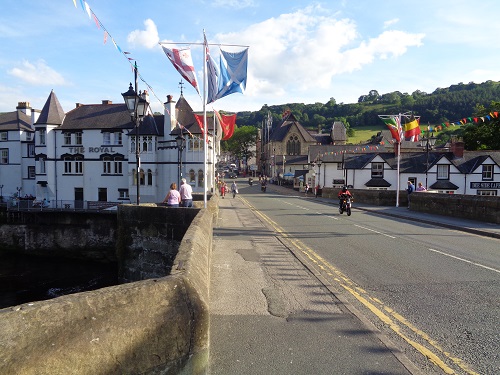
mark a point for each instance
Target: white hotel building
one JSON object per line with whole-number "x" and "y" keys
{"x": 87, "y": 156}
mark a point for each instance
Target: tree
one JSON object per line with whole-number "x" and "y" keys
{"x": 242, "y": 143}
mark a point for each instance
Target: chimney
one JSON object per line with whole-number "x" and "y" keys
{"x": 457, "y": 147}
{"x": 170, "y": 122}
{"x": 78, "y": 105}
{"x": 23, "y": 107}
{"x": 106, "y": 102}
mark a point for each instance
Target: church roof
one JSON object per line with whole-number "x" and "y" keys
{"x": 52, "y": 112}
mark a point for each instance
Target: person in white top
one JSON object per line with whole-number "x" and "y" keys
{"x": 186, "y": 192}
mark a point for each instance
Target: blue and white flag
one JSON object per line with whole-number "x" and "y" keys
{"x": 232, "y": 74}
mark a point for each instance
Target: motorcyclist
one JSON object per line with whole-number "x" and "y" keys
{"x": 344, "y": 193}
{"x": 250, "y": 181}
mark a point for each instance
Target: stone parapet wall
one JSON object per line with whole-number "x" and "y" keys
{"x": 472, "y": 207}
{"x": 155, "y": 326}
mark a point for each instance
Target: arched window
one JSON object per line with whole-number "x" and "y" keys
{"x": 132, "y": 144}
{"x": 142, "y": 177}
{"x": 293, "y": 145}
{"x": 192, "y": 176}
{"x": 200, "y": 178}
{"x": 150, "y": 177}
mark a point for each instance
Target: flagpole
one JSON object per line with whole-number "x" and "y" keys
{"x": 398, "y": 158}
{"x": 205, "y": 124}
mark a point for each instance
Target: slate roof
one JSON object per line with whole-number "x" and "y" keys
{"x": 16, "y": 120}
{"x": 339, "y": 132}
{"x": 443, "y": 185}
{"x": 377, "y": 182}
{"x": 185, "y": 117}
{"x": 52, "y": 112}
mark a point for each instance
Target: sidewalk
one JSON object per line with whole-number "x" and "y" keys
{"x": 270, "y": 315}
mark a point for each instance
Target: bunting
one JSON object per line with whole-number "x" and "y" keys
{"x": 182, "y": 61}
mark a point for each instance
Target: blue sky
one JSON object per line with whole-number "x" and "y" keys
{"x": 300, "y": 51}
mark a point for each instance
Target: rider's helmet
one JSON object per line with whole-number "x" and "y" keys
{"x": 344, "y": 189}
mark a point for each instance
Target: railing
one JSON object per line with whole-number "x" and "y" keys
{"x": 60, "y": 205}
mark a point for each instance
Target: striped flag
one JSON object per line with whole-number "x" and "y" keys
{"x": 412, "y": 130}
{"x": 394, "y": 126}
{"x": 182, "y": 61}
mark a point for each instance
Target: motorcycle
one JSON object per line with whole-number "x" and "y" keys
{"x": 346, "y": 205}
{"x": 250, "y": 181}
{"x": 263, "y": 188}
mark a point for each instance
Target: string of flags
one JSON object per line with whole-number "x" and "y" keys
{"x": 464, "y": 121}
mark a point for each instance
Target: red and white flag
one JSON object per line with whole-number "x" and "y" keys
{"x": 183, "y": 62}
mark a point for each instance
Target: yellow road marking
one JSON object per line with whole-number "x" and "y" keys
{"x": 390, "y": 317}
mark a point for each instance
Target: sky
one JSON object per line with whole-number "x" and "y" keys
{"x": 299, "y": 51}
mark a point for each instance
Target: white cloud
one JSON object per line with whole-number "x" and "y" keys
{"x": 306, "y": 49}
{"x": 147, "y": 38}
{"x": 389, "y": 23}
{"x": 38, "y": 73}
{"x": 239, "y": 4}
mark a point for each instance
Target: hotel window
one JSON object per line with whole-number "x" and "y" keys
{"x": 3, "y": 136}
{"x": 67, "y": 138}
{"x": 192, "y": 177}
{"x": 132, "y": 144}
{"x": 41, "y": 136}
{"x": 200, "y": 178}
{"x": 339, "y": 166}
{"x": 41, "y": 165}
{"x": 123, "y": 194}
{"x": 4, "y": 156}
{"x": 443, "y": 172}
{"x": 145, "y": 144}
{"x": 118, "y": 138}
{"x": 78, "y": 138}
{"x": 106, "y": 138}
{"x": 488, "y": 172}
{"x": 31, "y": 150}
{"x": 150, "y": 177}
{"x": 106, "y": 166}
{"x": 118, "y": 165}
{"x": 67, "y": 165}
{"x": 142, "y": 179}
{"x": 31, "y": 172}
{"x": 377, "y": 170}
{"x": 102, "y": 194}
{"x": 78, "y": 165}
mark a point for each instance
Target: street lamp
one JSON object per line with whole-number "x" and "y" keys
{"x": 319, "y": 173}
{"x": 428, "y": 142}
{"x": 19, "y": 191}
{"x": 137, "y": 107}
{"x": 1, "y": 193}
{"x": 181, "y": 145}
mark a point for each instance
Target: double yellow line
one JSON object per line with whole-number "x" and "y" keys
{"x": 388, "y": 316}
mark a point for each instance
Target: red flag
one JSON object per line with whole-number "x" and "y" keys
{"x": 199, "y": 120}
{"x": 228, "y": 124}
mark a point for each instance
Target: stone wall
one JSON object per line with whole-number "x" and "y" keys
{"x": 473, "y": 207}
{"x": 155, "y": 326}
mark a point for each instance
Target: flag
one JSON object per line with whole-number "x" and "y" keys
{"x": 105, "y": 37}
{"x": 218, "y": 124}
{"x": 212, "y": 75}
{"x": 412, "y": 130}
{"x": 232, "y": 73}
{"x": 228, "y": 124}
{"x": 394, "y": 126}
{"x": 183, "y": 62}
{"x": 199, "y": 120}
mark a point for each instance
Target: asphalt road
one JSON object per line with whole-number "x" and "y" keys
{"x": 433, "y": 291}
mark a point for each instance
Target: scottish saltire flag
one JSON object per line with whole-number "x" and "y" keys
{"x": 183, "y": 62}
{"x": 412, "y": 130}
{"x": 394, "y": 126}
{"x": 232, "y": 76}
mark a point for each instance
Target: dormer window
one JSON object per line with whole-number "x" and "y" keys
{"x": 488, "y": 172}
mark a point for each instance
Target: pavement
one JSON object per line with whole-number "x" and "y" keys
{"x": 270, "y": 315}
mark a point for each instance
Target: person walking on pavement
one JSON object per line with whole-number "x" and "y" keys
{"x": 234, "y": 189}
{"x": 173, "y": 198}
{"x": 186, "y": 192}
{"x": 410, "y": 189}
{"x": 223, "y": 190}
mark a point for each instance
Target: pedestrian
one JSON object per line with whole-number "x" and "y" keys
{"x": 410, "y": 189}
{"x": 223, "y": 190}
{"x": 234, "y": 188}
{"x": 186, "y": 192}
{"x": 173, "y": 198}
{"x": 306, "y": 188}
{"x": 420, "y": 187}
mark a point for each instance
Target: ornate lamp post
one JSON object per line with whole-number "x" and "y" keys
{"x": 137, "y": 108}
{"x": 428, "y": 143}
{"x": 181, "y": 145}
{"x": 319, "y": 173}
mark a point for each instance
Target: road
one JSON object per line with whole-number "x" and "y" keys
{"x": 433, "y": 291}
